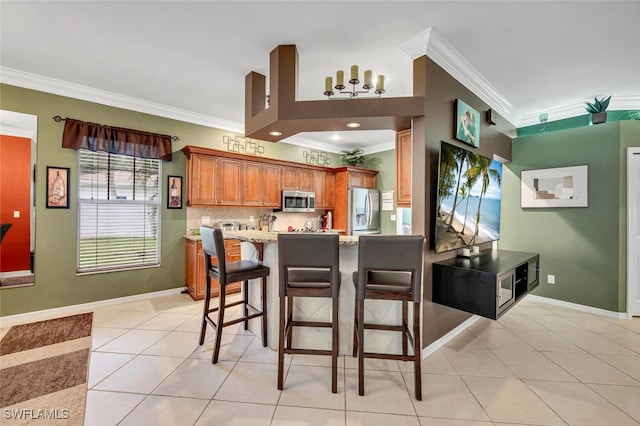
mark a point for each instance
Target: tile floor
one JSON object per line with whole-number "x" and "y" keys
{"x": 538, "y": 365}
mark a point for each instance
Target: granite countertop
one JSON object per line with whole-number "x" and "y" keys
{"x": 268, "y": 237}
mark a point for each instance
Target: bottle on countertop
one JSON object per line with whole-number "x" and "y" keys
{"x": 329, "y": 220}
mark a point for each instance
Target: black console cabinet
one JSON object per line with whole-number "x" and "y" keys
{"x": 488, "y": 284}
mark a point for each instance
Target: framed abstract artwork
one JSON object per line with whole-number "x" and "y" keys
{"x": 557, "y": 187}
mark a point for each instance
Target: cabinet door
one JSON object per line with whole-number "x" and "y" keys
{"x": 329, "y": 190}
{"x": 403, "y": 168}
{"x": 305, "y": 179}
{"x": 204, "y": 180}
{"x": 356, "y": 180}
{"x": 289, "y": 178}
{"x": 252, "y": 187}
{"x": 230, "y": 183}
{"x": 190, "y": 265}
{"x": 319, "y": 187}
{"x": 369, "y": 181}
{"x": 271, "y": 188}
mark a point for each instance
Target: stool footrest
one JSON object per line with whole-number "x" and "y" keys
{"x": 376, "y": 355}
{"x": 307, "y": 351}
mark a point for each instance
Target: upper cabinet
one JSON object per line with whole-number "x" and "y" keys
{"x": 219, "y": 178}
{"x": 403, "y": 168}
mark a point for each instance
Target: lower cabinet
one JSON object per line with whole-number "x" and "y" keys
{"x": 195, "y": 275}
{"x": 488, "y": 284}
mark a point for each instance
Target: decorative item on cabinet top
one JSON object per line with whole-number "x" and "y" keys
{"x": 243, "y": 145}
{"x": 317, "y": 157}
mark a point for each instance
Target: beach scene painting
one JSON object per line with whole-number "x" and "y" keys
{"x": 469, "y": 197}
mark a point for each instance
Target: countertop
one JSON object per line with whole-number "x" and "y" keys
{"x": 268, "y": 237}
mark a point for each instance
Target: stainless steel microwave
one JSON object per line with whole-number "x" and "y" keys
{"x": 298, "y": 201}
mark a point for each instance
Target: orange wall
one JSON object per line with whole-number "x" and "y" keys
{"x": 15, "y": 182}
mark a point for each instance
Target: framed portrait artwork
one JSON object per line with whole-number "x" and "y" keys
{"x": 58, "y": 187}
{"x": 558, "y": 187}
{"x": 174, "y": 195}
{"x": 467, "y": 124}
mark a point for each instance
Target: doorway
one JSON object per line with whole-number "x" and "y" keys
{"x": 633, "y": 231}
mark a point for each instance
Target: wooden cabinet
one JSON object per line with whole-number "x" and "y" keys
{"x": 261, "y": 185}
{"x": 271, "y": 192}
{"x": 488, "y": 284}
{"x": 346, "y": 178}
{"x": 295, "y": 178}
{"x": 195, "y": 276}
{"x": 324, "y": 188}
{"x": 202, "y": 180}
{"x": 403, "y": 168}
{"x": 218, "y": 178}
{"x": 230, "y": 182}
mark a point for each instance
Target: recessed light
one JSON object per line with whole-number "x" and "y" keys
{"x": 275, "y": 133}
{"x": 353, "y": 125}
{"x": 335, "y": 137}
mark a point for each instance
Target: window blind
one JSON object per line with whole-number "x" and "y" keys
{"x": 119, "y": 211}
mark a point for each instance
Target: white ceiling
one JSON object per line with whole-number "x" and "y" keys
{"x": 188, "y": 60}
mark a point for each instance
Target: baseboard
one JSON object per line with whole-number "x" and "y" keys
{"x": 84, "y": 307}
{"x": 577, "y": 307}
{"x": 437, "y": 344}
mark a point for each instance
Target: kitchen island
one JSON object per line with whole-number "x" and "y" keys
{"x": 264, "y": 245}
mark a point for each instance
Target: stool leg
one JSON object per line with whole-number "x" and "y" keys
{"x": 207, "y": 299}
{"x": 281, "y": 326}
{"x": 264, "y": 312}
{"x": 245, "y": 291}
{"x": 289, "y": 321}
{"x": 334, "y": 348}
{"x": 361, "y": 347}
{"x": 405, "y": 327}
{"x": 355, "y": 330}
{"x": 222, "y": 302}
{"x": 417, "y": 362}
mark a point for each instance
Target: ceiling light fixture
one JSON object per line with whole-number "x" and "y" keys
{"x": 275, "y": 133}
{"x": 354, "y": 80}
{"x": 353, "y": 125}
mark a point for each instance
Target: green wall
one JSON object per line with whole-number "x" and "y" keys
{"x": 56, "y": 282}
{"x": 585, "y": 248}
{"x": 573, "y": 122}
{"x": 385, "y": 163}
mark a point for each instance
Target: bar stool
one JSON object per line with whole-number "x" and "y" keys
{"x": 228, "y": 273}
{"x": 389, "y": 268}
{"x": 308, "y": 267}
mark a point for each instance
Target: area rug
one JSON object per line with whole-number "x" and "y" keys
{"x": 15, "y": 281}
{"x": 43, "y": 371}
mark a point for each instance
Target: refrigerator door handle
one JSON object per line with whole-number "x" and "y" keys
{"x": 368, "y": 208}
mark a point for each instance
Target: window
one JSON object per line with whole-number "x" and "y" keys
{"x": 118, "y": 211}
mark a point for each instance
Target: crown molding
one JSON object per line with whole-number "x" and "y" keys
{"x": 381, "y": 147}
{"x": 63, "y": 88}
{"x": 431, "y": 44}
{"x": 578, "y": 108}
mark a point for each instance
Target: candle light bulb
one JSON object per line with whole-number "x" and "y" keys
{"x": 328, "y": 86}
{"x": 380, "y": 84}
{"x": 367, "y": 79}
{"x": 354, "y": 75}
{"x": 340, "y": 79}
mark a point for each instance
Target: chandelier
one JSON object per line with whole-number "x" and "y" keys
{"x": 353, "y": 81}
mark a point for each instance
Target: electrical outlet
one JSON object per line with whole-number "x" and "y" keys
{"x": 251, "y": 219}
{"x": 551, "y": 279}
{"x": 206, "y": 220}
{"x": 393, "y": 218}
{"x": 16, "y": 214}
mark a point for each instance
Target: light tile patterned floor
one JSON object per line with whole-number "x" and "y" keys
{"x": 539, "y": 364}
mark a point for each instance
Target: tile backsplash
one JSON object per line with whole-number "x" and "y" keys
{"x": 242, "y": 215}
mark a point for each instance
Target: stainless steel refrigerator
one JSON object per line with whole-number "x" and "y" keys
{"x": 364, "y": 211}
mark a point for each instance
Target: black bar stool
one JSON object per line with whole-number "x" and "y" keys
{"x": 228, "y": 273}
{"x": 389, "y": 268}
{"x": 308, "y": 267}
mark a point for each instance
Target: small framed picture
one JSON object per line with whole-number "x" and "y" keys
{"x": 467, "y": 124}
{"x": 58, "y": 187}
{"x": 174, "y": 195}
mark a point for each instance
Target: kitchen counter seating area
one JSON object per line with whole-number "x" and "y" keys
{"x": 264, "y": 246}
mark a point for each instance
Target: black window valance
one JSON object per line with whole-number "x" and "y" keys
{"x": 115, "y": 140}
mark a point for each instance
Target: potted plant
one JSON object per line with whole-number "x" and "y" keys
{"x": 597, "y": 109}
{"x": 352, "y": 157}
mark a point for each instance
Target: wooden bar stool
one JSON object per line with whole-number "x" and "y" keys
{"x": 389, "y": 268}
{"x": 308, "y": 267}
{"x": 228, "y": 273}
